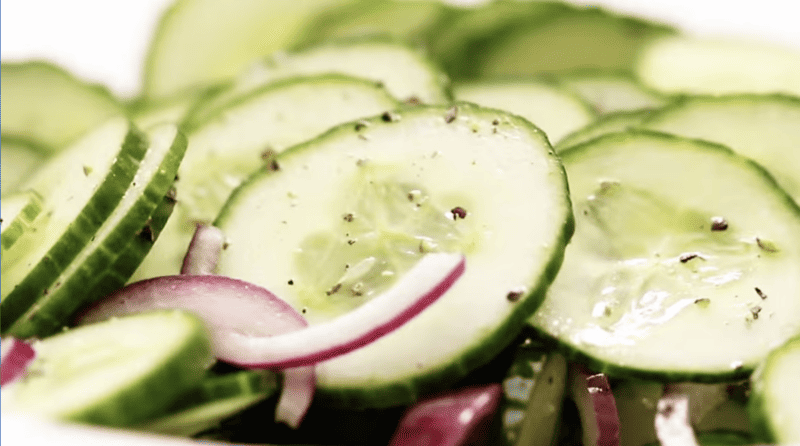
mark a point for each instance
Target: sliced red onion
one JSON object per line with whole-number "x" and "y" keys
{"x": 204, "y": 249}
{"x": 454, "y": 418}
{"x": 672, "y": 421}
{"x": 227, "y": 305}
{"x": 596, "y": 406}
{"x": 428, "y": 280}
{"x": 14, "y": 359}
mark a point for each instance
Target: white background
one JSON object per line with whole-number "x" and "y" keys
{"x": 106, "y": 40}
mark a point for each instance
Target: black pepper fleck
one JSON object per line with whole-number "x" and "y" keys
{"x": 514, "y": 296}
{"x": 760, "y": 293}
{"x": 146, "y": 233}
{"x": 458, "y": 212}
{"x": 351, "y": 242}
{"x": 755, "y": 310}
{"x": 451, "y": 114}
{"x": 333, "y": 289}
{"x": 413, "y": 100}
{"x": 348, "y": 217}
{"x": 291, "y": 282}
{"x": 361, "y": 125}
{"x": 718, "y": 224}
{"x": 688, "y": 256}
{"x": 389, "y": 117}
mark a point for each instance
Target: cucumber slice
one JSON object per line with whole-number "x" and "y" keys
{"x": 670, "y": 275}
{"x": 230, "y": 38}
{"x": 82, "y": 185}
{"x": 243, "y": 138}
{"x": 691, "y": 65}
{"x": 405, "y": 72}
{"x": 611, "y": 91}
{"x": 583, "y": 38}
{"x": 17, "y": 216}
{"x": 552, "y": 108}
{"x": 765, "y": 128}
{"x": 459, "y": 44}
{"x": 414, "y": 21}
{"x": 44, "y": 103}
{"x": 128, "y": 222}
{"x": 117, "y": 372}
{"x": 354, "y": 209}
{"x": 217, "y": 398}
{"x": 774, "y": 400}
{"x": 18, "y": 160}
{"x": 636, "y": 406}
{"x": 610, "y": 123}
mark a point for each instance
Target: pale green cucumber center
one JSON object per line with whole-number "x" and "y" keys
{"x": 664, "y": 256}
{"x": 385, "y": 227}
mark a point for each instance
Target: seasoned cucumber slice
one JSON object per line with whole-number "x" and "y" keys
{"x": 216, "y": 398}
{"x": 775, "y": 403}
{"x": 765, "y": 128}
{"x": 17, "y": 215}
{"x": 552, "y": 108}
{"x": 129, "y": 221}
{"x": 354, "y": 209}
{"x": 44, "y": 103}
{"x": 405, "y": 72}
{"x": 18, "y": 160}
{"x": 82, "y": 185}
{"x": 415, "y": 21}
{"x": 610, "y": 123}
{"x": 611, "y": 91}
{"x": 117, "y": 372}
{"x": 691, "y": 65}
{"x": 230, "y": 38}
{"x": 243, "y": 138}
{"x": 671, "y": 275}
{"x": 583, "y": 38}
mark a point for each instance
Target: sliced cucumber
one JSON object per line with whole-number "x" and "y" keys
{"x": 128, "y": 222}
{"x": 82, "y": 185}
{"x": 691, "y": 65}
{"x": 765, "y": 128}
{"x": 611, "y": 91}
{"x": 636, "y": 406}
{"x": 18, "y": 160}
{"x": 217, "y": 398}
{"x": 460, "y": 43}
{"x": 352, "y": 210}
{"x": 672, "y": 276}
{"x": 17, "y": 216}
{"x": 583, "y": 38}
{"x": 230, "y": 38}
{"x": 774, "y": 403}
{"x": 117, "y": 372}
{"x": 415, "y": 21}
{"x": 405, "y": 72}
{"x": 552, "y": 108}
{"x": 610, "y": 123}
{"x": 244, "y": 137}
{"x": 44, "y": 103}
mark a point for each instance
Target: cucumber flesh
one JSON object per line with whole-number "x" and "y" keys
{"x": 82, "y": 185}
{"x": 773, "y": 405}
{"x": 69, "y": 291}
{"x": 48, "y": 105}
{"x": 244, "y": 138}
{"x": 611, "y": 91}
{"x": 117, "y": 372}
{"x": 550, "y": 107}
{"x": 609, "y": 123}
{"x": 18, "y": 160}
{"x": 352, "y": 210}
{"x": 18, "y": 215}
{"x": 670, "y": 276}
{"x": 765, "y": 128}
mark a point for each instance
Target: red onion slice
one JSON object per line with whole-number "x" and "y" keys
{"x": 672, "y": 421}
{"x": 203, "y": 253}
{"x": 428, "y": 280}
{"x": 596, "y": 406}
{"x": 14, "y": 359}
{"x": 452, "y": 419}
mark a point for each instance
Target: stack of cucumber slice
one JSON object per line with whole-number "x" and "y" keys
{"x": 624, "y": 194}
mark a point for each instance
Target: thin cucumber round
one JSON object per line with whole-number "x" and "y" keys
{"x": 775, "y": 403}
{"x": 70, "y": 290}
{"x": 19, "y": 158}
{"x": 44, "y": 103}
{"x": 765, "y": 128}
{"x": 551, "y": 107}
{"x": 354, "y": 209}
{"x": 684, "y": 262}
{"x": 18, "y": 214}
{"x": 611, "y": 91}
{"x": 244, "y": 137}
{"x": 609, "y": 123}
{"x": 119, "y": 372}
{"x": 82, "y": 186}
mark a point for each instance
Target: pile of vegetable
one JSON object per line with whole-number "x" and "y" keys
{"x": 407, "y": 222}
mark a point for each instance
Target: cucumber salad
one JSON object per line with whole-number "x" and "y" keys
{"x": 408, "y": 223}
